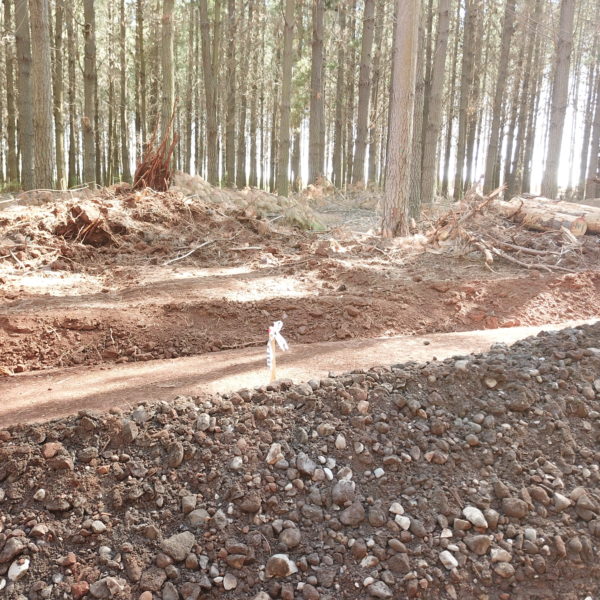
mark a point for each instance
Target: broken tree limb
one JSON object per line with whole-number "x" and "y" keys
{"x": 542, "y": 214}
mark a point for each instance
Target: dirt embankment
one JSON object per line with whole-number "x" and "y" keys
{"x": 472, "y": 477}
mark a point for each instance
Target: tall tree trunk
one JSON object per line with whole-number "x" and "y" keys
{"x": 593, "y": 76}
{"x": 283, "y": 178}
{"x": 434, "y": 118}
{"x": 348, "y": 167}
{"x": 11, "y": 131}
{"x": 466, "y": 79}
{"x": 316, "y": 134}
{"x": 400, "y": 129}
{"x": 373, "y": 147}
{"x": 592, "y": 188}
{"x": 364, "y": 92}
{"x": 417, "y": 127}
{"x": 89, "y": 91}
{"x": 240, "y": 167}
{"x": 492, "y": 161}
{"x": 560, "y": 92}
{"x": 126, "y": 169}
{"x": 25, "y": 95}
{"x": 208, "y": 63}
{"x": 167, "y": 68}
{"x": 42, "y": 94}
{"x": 338, "y": 131}
{"x": 231, "y": 96}
{"x": 72, "y": 177}
{"x": 451, "y": 102}
{"x": 140, "y": 77}
{"x": 58, "y": 91}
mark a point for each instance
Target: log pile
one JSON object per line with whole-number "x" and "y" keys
{"x": 541, "y": 214}
{"x": 479, "y": 225}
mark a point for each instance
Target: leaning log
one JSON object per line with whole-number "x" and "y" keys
{"x": 545, "y": 215}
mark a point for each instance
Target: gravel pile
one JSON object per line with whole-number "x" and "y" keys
{"x": 475, "y": 477}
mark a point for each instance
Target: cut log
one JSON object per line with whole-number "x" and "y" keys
{"x": 541, "y": 214}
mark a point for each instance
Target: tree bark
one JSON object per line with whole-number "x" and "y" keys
{"x": 231, "y": 96}
{"x": 125, "y": 159}
{"x": 89, "y": 85}
{"x": 434, "y": 120}
{"x": 492, "y": 161}
{"x": 338, "y": 128}
{"x": 316, "y": 142}
{"x": 25, "y": 93}
{"x": 364, "y": 93}
{"x": 560, "y": 92}
{"x": 592, "y": 188}
{"x": 11, "y": 131}
{"x": 210, "y": 89}
{"x": 167, "y": 68}
{"x": 417, "y": 127}
{"x": 400, "y": 129}
{"x": 42, "y": 94}
{"x": 283, "y": 178}
{"x": 466, "y": 80}
{"x": 58, "y": 91}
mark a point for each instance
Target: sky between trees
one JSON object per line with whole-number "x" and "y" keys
{"x": 280, "y": 93}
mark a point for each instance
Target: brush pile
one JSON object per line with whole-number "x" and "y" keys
{"x": 481, "y": 225}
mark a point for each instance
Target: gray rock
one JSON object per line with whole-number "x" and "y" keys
{"x": 353, "y": 515}
{"x": 478, "y": 544}
{"x": 178, "y": 546}
{"x": 290, "y": 537}
{"x": 13, "y": 547}
{"x": 170, "y": 592}
{"x": 515, "y": 507}
{"x": 305, "y": 465}
{"x": 152, "y": 579}
{"x": 198, "y": 517}
{"x": 379, "y": 589}
{"x": 280, "y": 565}
{"x": 343, "y": 492}
{"x": 475, "y": 517}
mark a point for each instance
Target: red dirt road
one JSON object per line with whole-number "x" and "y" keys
{"x": 57, "y": 393}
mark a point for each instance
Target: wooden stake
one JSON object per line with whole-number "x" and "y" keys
{"x": 273, "y": 373}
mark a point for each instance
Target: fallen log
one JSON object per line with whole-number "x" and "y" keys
{"x": 545, "y": 215}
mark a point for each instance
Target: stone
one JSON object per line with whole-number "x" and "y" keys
{"x": 290, "y": 537}
{"x": 500, "y": 555}
{"x": 229, "y": 582}
{"x": 448, "y": 560}
{"x": 396, "y": 508}
{"x": 178, "y": 546}
{"x": 18, "y": 569}
{"x": 152, "y": 579}
{"x": 475, "y": 517}
{"x": 305, "y": 465}
{"x": 340, "y": 442}
{"x": 198, "y": 517}
{"x": 79, "y": 589}
{"x": 280, "y": 565}
{"x": 188, "y": 504}
{"x": 203, "y": 422}
{"x": 478, "y": 544}
{"x": 353, "y": 515}
{"x": 504, "y": 569}
{"x": 515, "y": 507}
{"x": 175, "y": 455}
{"x": 274, "y": 454}
{"x": 343, "y": 492}
{"x": 379, "y": 589}
{"x": 107, "y": 587}
{"x": 309, "y": 592}
{"x": 13, "y": 547}
{"x": 251, "y": 503}
{"x": 169, "y": 592}
{"x": 561, "y": 502}
{"x": 98, "y": 526}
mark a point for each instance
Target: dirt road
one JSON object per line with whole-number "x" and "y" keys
{"x": 60, "y": 392}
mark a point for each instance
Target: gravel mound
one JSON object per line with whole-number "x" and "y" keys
{"x": 475, "y": 477}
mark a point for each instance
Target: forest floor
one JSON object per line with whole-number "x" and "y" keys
{"x": 101, "y": 308}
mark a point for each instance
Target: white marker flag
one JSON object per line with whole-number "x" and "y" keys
{"x": 275, "y": 336}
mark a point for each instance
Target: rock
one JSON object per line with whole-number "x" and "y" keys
{"x": 310, "y": 592}
{"x": 178, "y": 546}
{"x": 290, "y": 537}
{"x": 203, "y": 422}
{"x": 79, "y": 589}
{"x": 515, "y": 507}
{"x": 500, "y": 555}
{"x": 152, "y": 579}
{"x": 403, "y": 521}
{"x": 251, "y": 503}
{"x": 340, "y": 442}
{"x": 98, "y": 526}
{"x": 280, "y": 565}
{"x": 396, "y": 508}
{"x": 305, "y": 465}
{"x": 561, "y": 502}
{"x": 343, "y": 492}
{"x": 198, "y": 517}
{"x": 475, "y": 517}
{"x": 18, "y": 569}
{"x": 275, "y": 454}
{"x": 504, "y": 569}
{"x": 13, "y": 547}
{"x": 169, "y": 592}
{"x": 448, "y": 560}
{"x": 229, "y": 582}
{"x": 353, "y": 515}
{"x": 379, "y": 589}
{"x": 175, "y": 455}
{"x": 376, "y": 517}
{"x": 107, "y": 587}
{"x": 188, "y": 504}
{"x": 478, "y": 544}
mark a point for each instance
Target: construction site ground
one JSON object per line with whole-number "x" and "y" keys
{"x": 121, "y": 301}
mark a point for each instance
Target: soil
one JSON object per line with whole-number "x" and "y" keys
{"x": 473, "y": 477}
{"x": 85, "y": 281}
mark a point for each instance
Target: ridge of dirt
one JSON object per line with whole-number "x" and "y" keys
{"x": 472, "y": 477}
